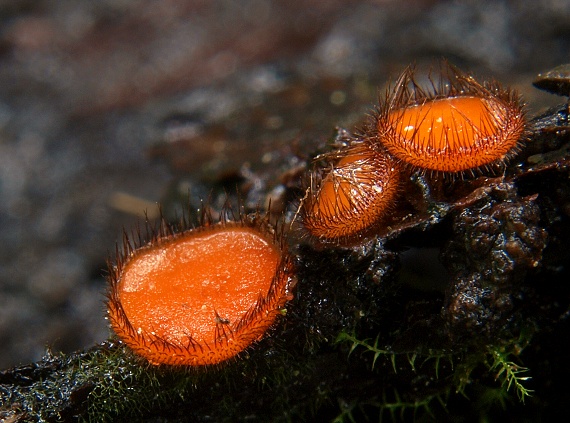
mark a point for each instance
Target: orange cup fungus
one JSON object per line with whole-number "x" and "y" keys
{"x": 202, "y": 295}
{"x": 354, "y": 194}
{"x": 462, "y": 125}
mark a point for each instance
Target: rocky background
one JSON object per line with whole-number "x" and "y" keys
{"x": 108, "y": 107}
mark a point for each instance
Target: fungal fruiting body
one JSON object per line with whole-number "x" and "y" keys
{"x": 200, "y": 296}
{"x": 461, "y": 125}
{"x": 352, "y": 195}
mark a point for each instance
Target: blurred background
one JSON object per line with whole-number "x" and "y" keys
{"x": 108, "y": 107}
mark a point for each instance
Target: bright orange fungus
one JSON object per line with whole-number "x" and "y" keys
{"x": 353, "y": 195}
{"x": 463, "y": 126}
{"x": 201, "y": 296}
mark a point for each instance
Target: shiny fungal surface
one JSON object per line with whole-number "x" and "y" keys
{"x": 352, "y": 195}
{"x": 200, "y": 296}
{"x": 460, "y": 125}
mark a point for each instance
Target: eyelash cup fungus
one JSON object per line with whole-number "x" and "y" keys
{"x": 200, "y": 296}
{"x": 459, "y": 125}
{"x": 351, "y": 193}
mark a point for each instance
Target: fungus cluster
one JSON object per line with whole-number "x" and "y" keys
{"x": 201, "y": 296}
{"x": 458, "y": 126}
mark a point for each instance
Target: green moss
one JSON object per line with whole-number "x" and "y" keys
{"x": 467, "y": 374}
{"x": 510, "y": 374}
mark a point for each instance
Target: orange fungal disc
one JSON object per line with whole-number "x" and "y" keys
{"x": 353, "y": 195}
{"x": 200, "y": 296}
{"x": 462, "y": 125}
